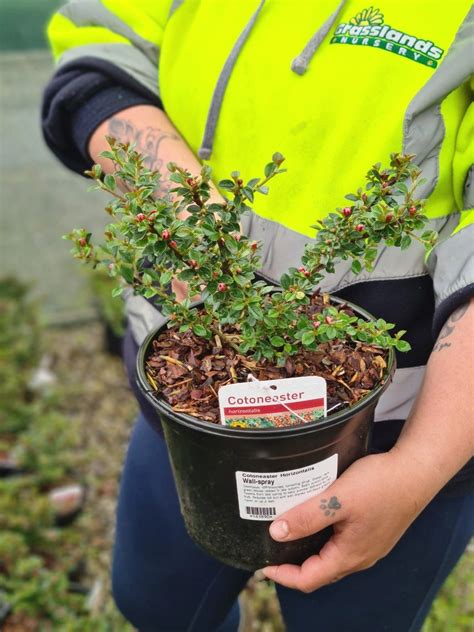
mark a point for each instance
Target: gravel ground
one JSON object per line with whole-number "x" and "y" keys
{"x": 100, "y": 404}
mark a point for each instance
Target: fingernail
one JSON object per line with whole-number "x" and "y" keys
{"x": 268, "y": 570}
{"x": 279, "y": 530}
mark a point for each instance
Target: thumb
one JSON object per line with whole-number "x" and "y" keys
{"x": 309, "y": 517}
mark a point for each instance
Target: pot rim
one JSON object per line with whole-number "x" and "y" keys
{"x": 260, "y": 433}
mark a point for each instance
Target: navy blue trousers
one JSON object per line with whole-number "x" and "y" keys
{"x": 162, "y": 582}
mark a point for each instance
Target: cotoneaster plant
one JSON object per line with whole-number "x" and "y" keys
{"x": 147, "y": 245}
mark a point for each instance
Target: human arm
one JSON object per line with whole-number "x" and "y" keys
{"x": 379, "y": 496}
{"x": 153, "y": 135}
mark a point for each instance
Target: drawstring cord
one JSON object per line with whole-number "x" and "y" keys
{"x": 205, "y": 151}
{"x": 300, "y": 64}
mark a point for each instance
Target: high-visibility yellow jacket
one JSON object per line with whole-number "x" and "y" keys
{"x": 335, "y": 86}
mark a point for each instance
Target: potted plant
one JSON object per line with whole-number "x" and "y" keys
{"x": 231, "y": 480}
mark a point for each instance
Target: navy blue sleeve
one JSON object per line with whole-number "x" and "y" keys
{"x": 78, "y": 98}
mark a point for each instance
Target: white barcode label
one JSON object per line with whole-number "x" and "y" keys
{"x": 266, "y": 512}
{"x": 266, "y": 495}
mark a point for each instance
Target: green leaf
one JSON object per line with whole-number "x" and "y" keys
{"x": 405, "y": 242}
{"x": 270, "y": 169}
{"x": 200, "y": 330}
{"x": 231, "y": 244}
{"x": 285, "y": 281}
{"x": 308, "y": 338}
{"x": 108, "y": 154}
{"x": 166, "y": 277}
{"x": 247, "y": 191}
{"x": 227, "y": 184}
{"x": 109, "y": 182}
{"x": 403, "y": 346}
{"x": 127, "y": 273}
{"x": 356, "y": 266}
{"x": 117, "y": 291}
{"x": 277, "y": 341}
{"x": 253, "y": 182}
{"x": 176, "y": 177}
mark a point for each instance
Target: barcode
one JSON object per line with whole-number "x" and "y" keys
{"x": 261, "y": 511}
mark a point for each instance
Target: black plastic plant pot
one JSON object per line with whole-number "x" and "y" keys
{"x": 210, "y": 461}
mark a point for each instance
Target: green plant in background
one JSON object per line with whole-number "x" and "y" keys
{"x": 36, "y": 557}
{"x": 147, "y": 245}
{"x": 19, "y": 355}
{"x": 111, "y": 310}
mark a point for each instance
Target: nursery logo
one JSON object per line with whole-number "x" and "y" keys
{"x": 367, "y": 28}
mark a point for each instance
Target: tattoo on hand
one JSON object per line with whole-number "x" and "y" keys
{"x": 147, "y": 141}
{"x": 449, "y": 327}
{"x": 329, "y": 507}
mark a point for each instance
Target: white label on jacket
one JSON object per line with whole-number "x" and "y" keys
{"x": 266, "y": 495}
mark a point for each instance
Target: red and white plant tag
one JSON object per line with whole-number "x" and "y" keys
{"x": 273, "y": 403}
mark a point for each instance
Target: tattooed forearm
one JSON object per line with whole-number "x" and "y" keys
{"x": 329, "y": 507}
{"x": 147, "y": 142}
{"x": 449, "y": 327}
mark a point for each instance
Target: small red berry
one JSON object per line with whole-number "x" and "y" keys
{"x": 82, "y": 242}
{"x": 302, "y": 269}
{"x": 166, "y": 234}
{"x": 173, "y": 244}
{"x": 307, "y": 273}
{"x": 360, "y": 228}
{"x": 347, "y": 211}
{"x": 329, "y": 320}
{"x": 193, "y": 263}
{"x": 222, "y": 287}
{"x": 240, "y": 182}
{"x": 412, "y": 210}
{"x": 140, "y": 217}
{"x": 316, "y": 324}
{"x": 190, "y": 181}
{"x": 254, "y": 245}
{"x": 388, "y": 218}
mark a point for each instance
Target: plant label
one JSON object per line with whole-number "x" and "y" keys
{"x": 266, "y": 495}
{"x": 273, "y": 403}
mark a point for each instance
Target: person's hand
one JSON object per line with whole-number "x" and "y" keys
{"x": 370, "y": 507}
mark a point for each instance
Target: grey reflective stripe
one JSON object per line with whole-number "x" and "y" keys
{"x": 469, "y": 189}
{"x": 451, "y": 263}
{"x": 398, "y": 399}
{"x": 93, "y": 13}
{"x": 282, "y": 248}
{"x": 125, "y": 57}
{"x": 142, "y": 317}
{"x": 423, "y": 126}
{"x": 175, "y": 5}
{"x": 299, "y": 65}
{"x": 207, "y": 143}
